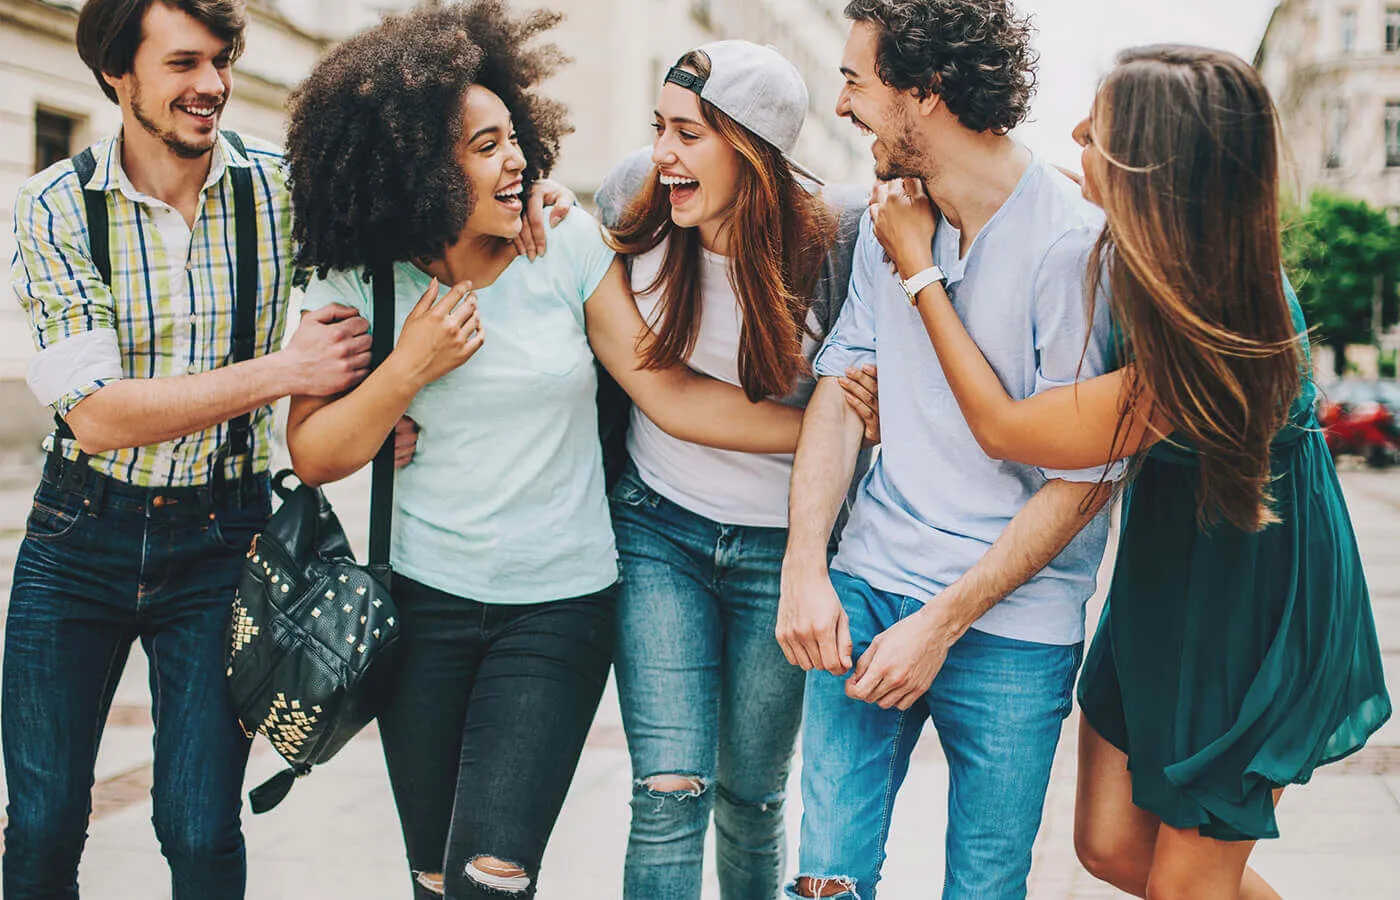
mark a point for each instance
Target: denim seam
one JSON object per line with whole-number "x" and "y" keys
{"x": 141, "y": 570}
{"x": 886, "y": 807}
{"x": 99, "y": 721}
{"x": 157, "y": 696}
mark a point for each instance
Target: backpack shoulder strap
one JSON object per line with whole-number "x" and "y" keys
{"x": 381, "y": 496}
{"x": 236, "y": 140}
{"x": 99, "y": 247}
{"x": 245, "y": 303}
{"x": 95, "y": 205}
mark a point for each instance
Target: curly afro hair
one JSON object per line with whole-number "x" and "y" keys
{"x": 373, "y": 134}
{"x": 975, "y": 54}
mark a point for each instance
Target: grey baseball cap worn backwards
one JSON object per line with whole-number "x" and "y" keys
{"x": 758, "y": 88}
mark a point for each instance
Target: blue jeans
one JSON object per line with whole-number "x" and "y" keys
{"x": 705, "y": 693}
{"x": 997, "y": 704}
{"x": 102, "y": 564}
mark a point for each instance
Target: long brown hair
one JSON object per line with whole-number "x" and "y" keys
{"x": 1191, "y": 263}
{"x": 779, "y": 234}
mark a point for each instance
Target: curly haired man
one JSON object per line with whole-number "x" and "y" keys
{"x": 959, "y": 586}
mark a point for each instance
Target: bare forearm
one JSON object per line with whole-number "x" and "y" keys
{"x": 682, "y": 402}
{"x": 329, "y": 441}
{"x": 693, "y": 407}
{"x": 1032, "y": 539}
{"x": 821, "y": 473}
{"x": 137, "y": 412}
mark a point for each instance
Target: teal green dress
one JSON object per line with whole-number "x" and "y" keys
{"x": 1228, "y": 663}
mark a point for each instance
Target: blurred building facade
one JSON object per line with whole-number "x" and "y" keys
{"x": 1333, "y": 67}
{"x": 51, "y": 107}
{"x": 623, "y": 48}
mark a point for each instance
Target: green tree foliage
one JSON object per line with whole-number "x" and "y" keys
{"x": 1334, "y": 250}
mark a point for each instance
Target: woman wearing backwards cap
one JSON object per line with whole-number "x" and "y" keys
{"x": 739, "y": 264}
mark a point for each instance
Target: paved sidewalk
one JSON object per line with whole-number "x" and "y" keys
{"x": 336, "y": 835}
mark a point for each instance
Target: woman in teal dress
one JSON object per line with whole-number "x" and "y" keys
{"x": 1237, "y": 651}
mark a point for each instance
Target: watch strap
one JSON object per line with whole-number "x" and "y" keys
{"x": 920, "y": 280}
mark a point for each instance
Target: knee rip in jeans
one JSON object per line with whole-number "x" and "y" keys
{"x": 825, "y": 886}
{"x": 676, "y": 787}
{"x": 768, "y": 804}
{"x": 487, "y": 871}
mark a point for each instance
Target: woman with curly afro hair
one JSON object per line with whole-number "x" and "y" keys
{"x": 410, "y": 147}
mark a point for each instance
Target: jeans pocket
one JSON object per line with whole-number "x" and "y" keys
{"x": 52, "y": 523}
{"x": 632, "y": 492}
{"x": 233, "y": 529}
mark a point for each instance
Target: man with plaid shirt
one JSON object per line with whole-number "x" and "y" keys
{"x": 150, "y": 495}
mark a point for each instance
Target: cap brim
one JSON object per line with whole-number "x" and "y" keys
{"x": 803, "y": 170}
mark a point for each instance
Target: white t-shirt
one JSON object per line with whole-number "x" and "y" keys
{"x": 722, "y": 485}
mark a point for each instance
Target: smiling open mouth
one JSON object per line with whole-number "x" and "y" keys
{"x": 682, "y": 188}
{"x": 206, "y": 113}
{"x": 510, "y": 196}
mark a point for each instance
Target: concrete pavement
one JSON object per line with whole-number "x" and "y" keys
{"x": 336, "y": 835}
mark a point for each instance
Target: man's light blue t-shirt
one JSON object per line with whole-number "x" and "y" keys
{"x": 933, "y": 503}
{"x": 504, "y": 500}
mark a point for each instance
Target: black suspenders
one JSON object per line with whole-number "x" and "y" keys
{"x": 245, "y": 301}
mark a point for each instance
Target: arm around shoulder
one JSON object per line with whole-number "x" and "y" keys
{"x": 682, "y": 402}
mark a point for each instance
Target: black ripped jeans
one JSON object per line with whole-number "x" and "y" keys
{"x": 486, "y": 724}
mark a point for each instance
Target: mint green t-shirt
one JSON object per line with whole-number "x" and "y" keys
{"x": 504, "y": 500}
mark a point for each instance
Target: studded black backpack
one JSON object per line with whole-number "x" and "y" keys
{"x": 313, "y": 633}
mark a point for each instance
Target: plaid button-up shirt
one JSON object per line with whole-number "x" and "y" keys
{"x": 170, "y": 308}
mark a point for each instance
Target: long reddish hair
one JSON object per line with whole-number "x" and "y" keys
{"x": 779, "y": 235}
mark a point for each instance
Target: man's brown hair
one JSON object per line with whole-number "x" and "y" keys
{"x": 109, "y": 31}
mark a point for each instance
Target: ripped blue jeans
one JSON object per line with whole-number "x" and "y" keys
{"x": 705, "y": 694}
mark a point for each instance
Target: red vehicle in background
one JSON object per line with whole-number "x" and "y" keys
{"x": 1362, "y": 417}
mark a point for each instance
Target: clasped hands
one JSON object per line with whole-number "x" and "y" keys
{"x": 894, "y": 672}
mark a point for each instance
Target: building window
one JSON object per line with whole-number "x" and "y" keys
{"x": 1392, "y": 29}
{"x": 1348, "y": 25}
{"x": 53, "y": 138}
{"x": 1336, "y": 134}
{"x": 1392, "y": 134}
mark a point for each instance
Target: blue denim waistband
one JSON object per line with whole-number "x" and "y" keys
{"x": 96, "y": 491}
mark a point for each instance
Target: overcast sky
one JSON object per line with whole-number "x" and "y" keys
{"x": 1079, "y": 38}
